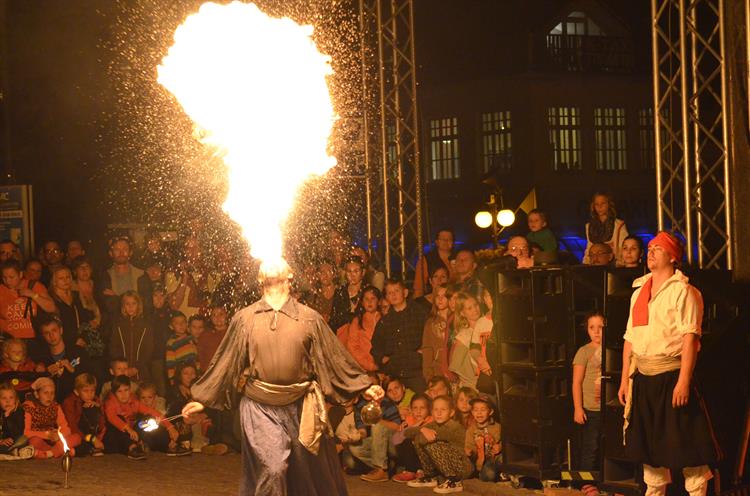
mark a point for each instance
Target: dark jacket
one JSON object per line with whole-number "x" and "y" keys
{"x": 133, "y": 339}
{"x": 64, "y": 383}
{"x": 12, "y": 426}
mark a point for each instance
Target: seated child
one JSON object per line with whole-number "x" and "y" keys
{"x": 181, "y": 347}
{"x": 463, "y": 406}
{"x": 121, "y": 409}
{"x": 44, "y": 421}
{"x": 148, "y": 396}
{"x": 539, "y": 233}
{"x": 483, "y": 439}
{"x": 85, "y": 417}
{"x": 406, "y": 454}
{"x": 13, "y": 443}
{"x": 197, "y": 430}
{"x": 157, "y": 440}
{"x": 119, "y": 366}
{"x": 372, "y": 450}
{"x": 400, "y": 395}
{"x": 15, "y": 361}
{"x": 440, "y": 448}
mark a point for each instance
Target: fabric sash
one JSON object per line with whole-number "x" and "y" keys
{"x": 313, "y": 419}
{"x": 647, "y": 366}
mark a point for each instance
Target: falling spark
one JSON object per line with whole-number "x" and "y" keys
{"x": 255, "y": 87}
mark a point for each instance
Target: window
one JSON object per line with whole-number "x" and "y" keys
{"x": 646, "y": 134}
{"x": 496, "y": 141}
{"x": 577, "y": 24}
{"x": 444, "y": 156}
{"x": 610, "y": 131}
{"x": 565, "y": 137}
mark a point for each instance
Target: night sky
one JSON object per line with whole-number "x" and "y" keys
{"x": 100, "y": 142}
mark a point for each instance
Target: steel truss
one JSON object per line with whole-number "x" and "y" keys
{"x": 391, "y": 132}
{"x": 691, "y": 127}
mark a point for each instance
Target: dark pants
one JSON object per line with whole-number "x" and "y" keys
{"x": 590, "y": 433}
{"x": 274, "y": 462}
{"x": 116, "y": 441}
{"x": 406, "y": 456}
{"x": 490, "y": 470}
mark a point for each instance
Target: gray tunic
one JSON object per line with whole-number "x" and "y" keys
{"x": 286, "y": 347}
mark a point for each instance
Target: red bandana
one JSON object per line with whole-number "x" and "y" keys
{"x": 668, "y": 244}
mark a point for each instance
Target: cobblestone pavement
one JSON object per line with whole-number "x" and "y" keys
{"x": 159, "y": 475}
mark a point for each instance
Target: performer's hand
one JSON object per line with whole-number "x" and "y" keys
{"x": 680, "y": 394}
{"x": 374, "y": 392}
{"x": 191, "y": 408}
{"x": 622, "y": 394}
{"x": 579, "y": 417}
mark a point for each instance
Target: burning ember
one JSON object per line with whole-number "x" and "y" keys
{"x": 148, "y": 425}
{"x": 255, "y": 87}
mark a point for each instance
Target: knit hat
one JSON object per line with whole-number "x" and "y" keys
{"x": 484, "y": 399}
{"x": 42, "y": 382}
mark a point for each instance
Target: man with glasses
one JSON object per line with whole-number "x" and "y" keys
{"x": 518, "y": 248}
{"x": 601, "y": 254}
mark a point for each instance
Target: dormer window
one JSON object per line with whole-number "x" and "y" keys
{"x": 577, "y": 24}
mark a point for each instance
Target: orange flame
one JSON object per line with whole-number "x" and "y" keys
{"x": 255, "y": 87}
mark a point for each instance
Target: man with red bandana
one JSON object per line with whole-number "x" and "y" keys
{"x": 666, "y": 427}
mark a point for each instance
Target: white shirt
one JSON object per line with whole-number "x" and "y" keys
{"x": 674, "y": 311}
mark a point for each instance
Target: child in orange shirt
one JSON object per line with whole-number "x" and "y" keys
{"x": 121, "y": 409}
{"x": 44, "y": 422}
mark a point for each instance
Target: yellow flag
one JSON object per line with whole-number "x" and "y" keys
{"x": 529, "y": 203}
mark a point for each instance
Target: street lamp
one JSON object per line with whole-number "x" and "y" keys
{"x": 495, "y": 217}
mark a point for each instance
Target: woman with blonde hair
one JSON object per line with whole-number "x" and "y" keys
{"x": 132, "y": 337}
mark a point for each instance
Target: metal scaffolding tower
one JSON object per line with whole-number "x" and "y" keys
{"x": 692, "y": 118}
{"x": 391, "y": 132}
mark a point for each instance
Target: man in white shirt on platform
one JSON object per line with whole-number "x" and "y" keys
{"x": 666, "y": 426}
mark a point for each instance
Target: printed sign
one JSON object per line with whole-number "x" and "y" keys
{"x": 16, "y": 216}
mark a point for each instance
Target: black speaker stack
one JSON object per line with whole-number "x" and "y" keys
{"x": 539, "y": 316}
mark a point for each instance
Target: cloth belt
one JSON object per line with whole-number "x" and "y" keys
{"x": 314, "y": 417}
{"x": 649, "y": 366}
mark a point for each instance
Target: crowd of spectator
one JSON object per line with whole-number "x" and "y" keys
{"x": 102, "y": 356}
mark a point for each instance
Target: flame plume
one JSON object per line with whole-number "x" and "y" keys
{"x": 255, "y": 87}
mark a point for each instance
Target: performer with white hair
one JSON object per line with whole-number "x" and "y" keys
{"x": 283, "y": 358}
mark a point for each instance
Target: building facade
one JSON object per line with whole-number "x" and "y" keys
{"x": 555, "y": 97}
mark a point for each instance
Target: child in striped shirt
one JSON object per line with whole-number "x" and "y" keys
{"x": 181, "y": 347}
